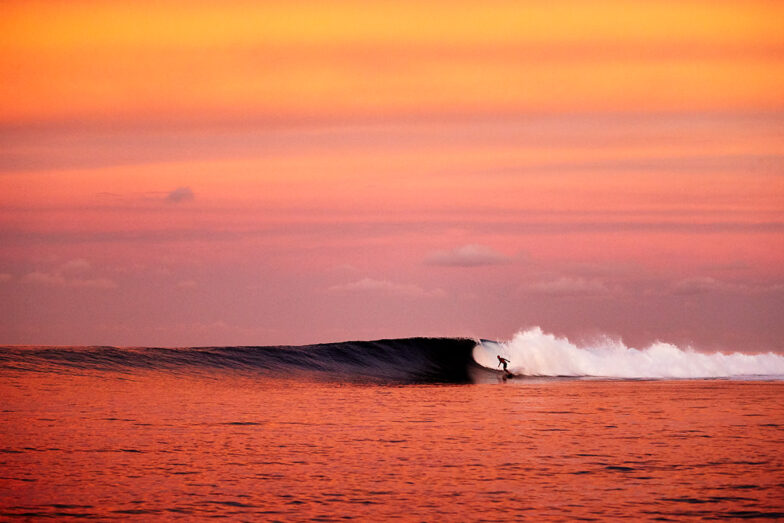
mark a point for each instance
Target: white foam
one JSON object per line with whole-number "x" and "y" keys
{"x": 535, "y": 353}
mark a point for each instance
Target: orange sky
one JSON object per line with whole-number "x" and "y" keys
{"x": 290, "y": 172}
{"x": 218, "y": 61}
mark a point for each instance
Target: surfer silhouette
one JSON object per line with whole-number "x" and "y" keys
{"x": 504, "y": 362}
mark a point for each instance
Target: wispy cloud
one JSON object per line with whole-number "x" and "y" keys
{"x": 70, "y": 274}
{"x": 187, "y": 284}
{"x": 471, "y": 255}
{"x": 706, "y": 284}
{"x": 75, "y": 266}
{"x": 180, "y": 194}
{"x": 569, "y": 286}
{"x": 58, "y": 280}
{"x": 369, "y": 285}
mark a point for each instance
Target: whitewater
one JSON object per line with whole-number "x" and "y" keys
{"x": 533, "y": 352}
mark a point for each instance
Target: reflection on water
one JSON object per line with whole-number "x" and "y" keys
{"x": 225, "y": 444}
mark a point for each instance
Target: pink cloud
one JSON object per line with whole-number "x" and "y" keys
{"x": 569, "y": 286}
{"x": 66, "y": 275}
{"x": 387, "y": 287}
{"x": 472, "y": 255}
{"x": 180, "y": 194}
{"x": 58, "y": 280}
{"x": 706, "y": 284}
{"x": 187, "y": 284}
{"x": 76, "y": 265}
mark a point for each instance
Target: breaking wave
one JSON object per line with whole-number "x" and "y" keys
{"x": 411, "y": 360}
{"x": 535, "y": 353}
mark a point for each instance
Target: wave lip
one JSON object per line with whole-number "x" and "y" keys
{"x": 535, "y": 353}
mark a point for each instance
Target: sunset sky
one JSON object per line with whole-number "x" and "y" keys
{"x": 229, "y": 172}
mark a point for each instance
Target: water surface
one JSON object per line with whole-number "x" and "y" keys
{"x": 197, "y": 443}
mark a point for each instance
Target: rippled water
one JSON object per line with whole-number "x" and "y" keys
{"x": 155, "y": 445}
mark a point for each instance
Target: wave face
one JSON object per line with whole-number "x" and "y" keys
{"x": 413, "y": 360}
{"x": 535, "y": 353}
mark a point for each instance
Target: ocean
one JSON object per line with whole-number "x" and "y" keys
{"x": 414, "y": 429}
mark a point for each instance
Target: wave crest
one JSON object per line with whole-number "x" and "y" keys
{"x": 535, "y": 353}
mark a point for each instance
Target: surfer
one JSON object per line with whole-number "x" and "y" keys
{"x": 504, "y": 362}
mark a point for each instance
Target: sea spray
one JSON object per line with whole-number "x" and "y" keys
{"x": 535, "y": 353}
